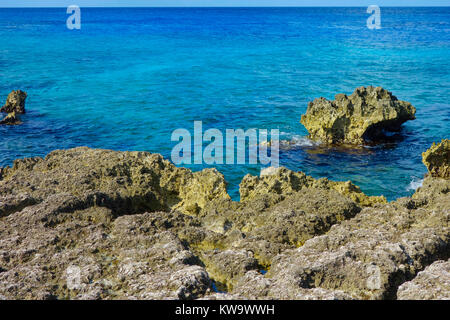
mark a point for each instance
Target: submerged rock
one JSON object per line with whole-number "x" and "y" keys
{"x": 358, "y": 118}
{"x": 437, "y": 159}
{"x": 11, "y": 119}
{"x": 99, "y": 224}
{"x": 15, "y": 102}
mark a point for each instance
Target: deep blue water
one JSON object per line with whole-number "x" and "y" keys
{"x": 129, "y": 77}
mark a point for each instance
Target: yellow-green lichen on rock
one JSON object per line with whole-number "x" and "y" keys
{"x": 99, "y": 224}
{"x": 11, "y": 119}
{"x": 281, "y": 182}
{"x": 15, "y": 102}
{"x": 357, "y": 118}
{"x": 437, "y": 159}
{"x": 140, "y": 180}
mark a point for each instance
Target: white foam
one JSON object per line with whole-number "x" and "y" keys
{"x": 298, "y": 141}
{"x": 269, "y": 171}
{"x": 415, "y": 184}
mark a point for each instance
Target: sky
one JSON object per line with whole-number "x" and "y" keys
{"x": 217, "y": 3}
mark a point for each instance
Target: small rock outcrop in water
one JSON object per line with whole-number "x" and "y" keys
{"x": 99, "y": 224}
{"x": 11, "y": 119}
{"x": 437, "y": 159}
{"x": 358, "y": 118}
{"x": 15, "y": 105}
{"x": 15, "y": 102}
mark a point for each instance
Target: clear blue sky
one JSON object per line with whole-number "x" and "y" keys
{"x": 220, "y": 3}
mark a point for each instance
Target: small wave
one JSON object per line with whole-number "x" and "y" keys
{"x": 298, "y": 141}
{"x": 414, "y": 184}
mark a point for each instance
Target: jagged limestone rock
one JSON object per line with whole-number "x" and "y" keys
{"x": 281, "y": 182}
{"x": 357, "y": 118}
{"x": 15, "y": 102}
{"x": 431, "y": 284}
{"x": 369, "y": 256}
{"x": 139, "y": 180}
{"x": 13, "y": 203}
{"x": 225, "y": 266}
{"x": 11, "y": 119}
{"x": 437, "y": 159}
{"x": 99, "y": 224}
{"x": 86, "y": 254}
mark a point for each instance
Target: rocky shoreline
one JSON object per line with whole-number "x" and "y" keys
{"x": 98, "y": 224}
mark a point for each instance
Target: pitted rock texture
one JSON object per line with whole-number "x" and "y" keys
{"x": 358, "y": 118}
{"x": 281, "y": 182}
{"x": 369, "y": 256}
{"x": 98, "y": 224}
{"x": 15, "y": 102}
{"x": 431, "y": 284}
{"x": 131, "y": 181}
{"x": 437, "y": 159}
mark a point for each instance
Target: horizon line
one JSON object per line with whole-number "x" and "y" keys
{"x": 161, "y": 7}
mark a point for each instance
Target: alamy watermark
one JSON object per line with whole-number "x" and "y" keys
{"x": 374, "y": 21}
{"x": 258, "y": 144}
{"x": 74, "y": 20}
{"x": 237, "y": 147}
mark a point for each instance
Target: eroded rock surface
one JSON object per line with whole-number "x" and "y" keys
{"x": 99, "y": 224}
{"x": 369, "y": 256}
{"x": 437, "y": 159}
{"x": 358, "y": 118}
{"x": 121, "y": 181}
{"x": 431, "y": 284}
{"x": 282, "y": 182}
{"x": 15, "y": 102}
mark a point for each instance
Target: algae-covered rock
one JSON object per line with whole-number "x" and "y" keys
{"x": 369, "y": 256}
{"x": 281, "y": 182}
{"x": 357, "y": 118}
{"x": 226, "y": 266}
{"x": 15, "y": 102}
{"x": 99, "y": 224}
{"x": 437, "y": 159}
{"x": 11, "y": 119}
{"x": 130, "y": 181}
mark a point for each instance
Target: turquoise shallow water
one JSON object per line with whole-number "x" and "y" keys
{"x": 130, "y": 77}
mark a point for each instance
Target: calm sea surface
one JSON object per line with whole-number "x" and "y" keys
{"x": 130, "y": 77}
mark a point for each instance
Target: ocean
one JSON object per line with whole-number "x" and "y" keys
{"x": 131, "y": 76}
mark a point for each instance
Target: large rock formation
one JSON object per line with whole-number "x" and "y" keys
{"x": 358, "y": 118}
{"x": 437, "y": 159}
{"x": 15, "y": 102}
{"x": 99, "y": 224}
{"x": 131, "y": 181}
